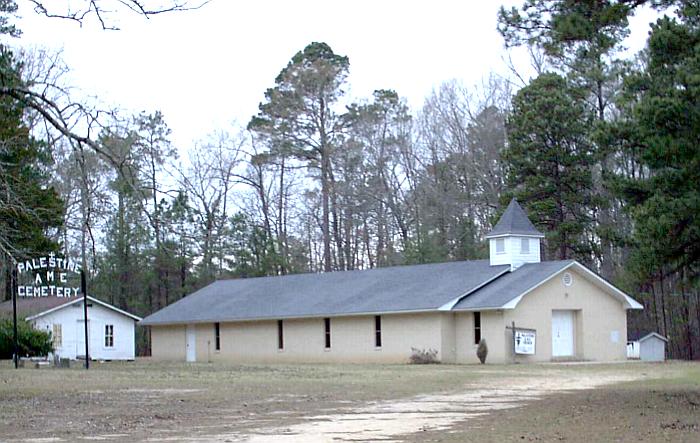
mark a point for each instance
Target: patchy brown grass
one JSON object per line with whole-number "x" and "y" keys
{"x": 149, "y": 400}
{"x": 662, "y": 407}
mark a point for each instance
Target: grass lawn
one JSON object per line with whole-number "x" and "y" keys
{"x": 212, "y": 402}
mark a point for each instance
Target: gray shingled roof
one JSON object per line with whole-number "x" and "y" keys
{"x": 511, "y": 285}
{"x": 394, "y": 289}
{"x": 514, "y": 221}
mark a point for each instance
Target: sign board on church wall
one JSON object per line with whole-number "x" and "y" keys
{"x": 524, "y": 341}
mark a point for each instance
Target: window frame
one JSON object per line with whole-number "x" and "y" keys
{"x": 57, "y": 335}
{"x": 327, "y": 332}
{"x": 280, "y": 335}
{"x": 477, "y": 327}
{"x": 502, "y": 243}
{"x": 109, "y": 336}
{"x": 377, "y": 331}
{"x": 524, "y": 241}
{"x": 217, "y": 336}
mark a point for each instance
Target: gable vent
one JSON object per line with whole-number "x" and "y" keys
{"x": 567, "y": 279}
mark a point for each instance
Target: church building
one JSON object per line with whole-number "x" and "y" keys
{"x": 524, "y": 309}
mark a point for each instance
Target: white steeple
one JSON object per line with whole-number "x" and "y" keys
{"x": 514, "y": 240}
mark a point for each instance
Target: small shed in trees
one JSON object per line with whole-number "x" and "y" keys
{"x": 111, "y": 331}
{"x": 647, "y": 347}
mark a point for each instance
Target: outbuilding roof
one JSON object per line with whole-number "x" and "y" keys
{"x": 641, "y": 336}
{"x": 31, "y": 308}
{"x": 514, "y": 221}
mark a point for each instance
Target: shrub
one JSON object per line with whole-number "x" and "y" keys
{"x": 32, "y": 342}
{"x": 482, "y": 351}
{"x": 423, "y": 357}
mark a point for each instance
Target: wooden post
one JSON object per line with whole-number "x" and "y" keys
{"x": 513, "y": 348}
{"x": 13, "y": 292}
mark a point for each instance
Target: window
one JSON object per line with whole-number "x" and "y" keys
{"x": 217, "y": 336}
{"x": 280, "y": 334}
{"x": 327, "y": 324}
{"x": 378, "y": 331}
{"x": 109, "y": 336}
{"x": 524, "y": 245}
{"x": 500, "y": 246}
{"x": 477, "y": 327}
{"x": 57, "y": 335}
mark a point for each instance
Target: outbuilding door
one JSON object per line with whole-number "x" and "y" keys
{"x": 562, "y": 333}
{"x": 190, "y": 344}
{"x": 80, "y": 339}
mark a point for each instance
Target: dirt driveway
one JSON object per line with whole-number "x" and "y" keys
{"x": 312, "y": 403}
{"x": 387, "y": 420}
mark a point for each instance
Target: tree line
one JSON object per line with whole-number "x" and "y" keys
{"x": 600, "y": 149}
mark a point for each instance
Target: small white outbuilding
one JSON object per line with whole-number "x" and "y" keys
{"x": 649, "y": 347}
{"x": 111, "y": 331}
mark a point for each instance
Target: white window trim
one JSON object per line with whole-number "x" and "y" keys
{"x": 501, "y": 241}
{"x": 524, "y": 242}
{"x": 109, "y": 335}
{"x": 57, "y": 327}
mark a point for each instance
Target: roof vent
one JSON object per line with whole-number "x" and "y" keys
{"x": 567, "y": 279}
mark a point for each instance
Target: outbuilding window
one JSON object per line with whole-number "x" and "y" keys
{"x": 378, "y": 331}
{"x": 327, "y": 325}
{"x": 217, "y": 336}
{"x": 109, "y": 336}
{"x": 477, "y": 327}
{"x": 57, "y": 335}
{"x": 280, "y": 334}
{"x": 500, "y": 246}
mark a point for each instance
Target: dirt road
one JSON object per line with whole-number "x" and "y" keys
{"x": 388, "y": 420}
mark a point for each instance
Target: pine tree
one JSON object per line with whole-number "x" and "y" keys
{"x": 298, "y": 118}
{"x": 664, "y": 126}
{"x": 548, "y": 162}
{"x": 660, "y": 132}
{"x": 583, "y": 40}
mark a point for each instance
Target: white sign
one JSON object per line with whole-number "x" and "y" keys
{"x": 50, "y": 277}
{"x": 525, "y": 341}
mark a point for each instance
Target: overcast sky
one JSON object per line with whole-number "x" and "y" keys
{"x": 207, "y": 68}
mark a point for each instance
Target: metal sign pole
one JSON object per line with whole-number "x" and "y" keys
{"x": 83, "y": 289}
{"x": 13, "y": 291}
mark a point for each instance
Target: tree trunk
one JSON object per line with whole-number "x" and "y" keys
{"x": 281, "y": 222}
{"x": 656, "y": 311}
{"x": 663, "y": 304}
{"x": 340, "y": 259}
{"x": 325, "y": 197}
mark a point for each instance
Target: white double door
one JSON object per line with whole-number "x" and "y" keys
{"x": 562, "y": 333}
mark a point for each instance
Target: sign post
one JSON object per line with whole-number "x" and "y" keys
{"x": 13, "y": 291}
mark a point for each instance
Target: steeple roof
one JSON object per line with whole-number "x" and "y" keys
{"x": 514, "y": 221}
